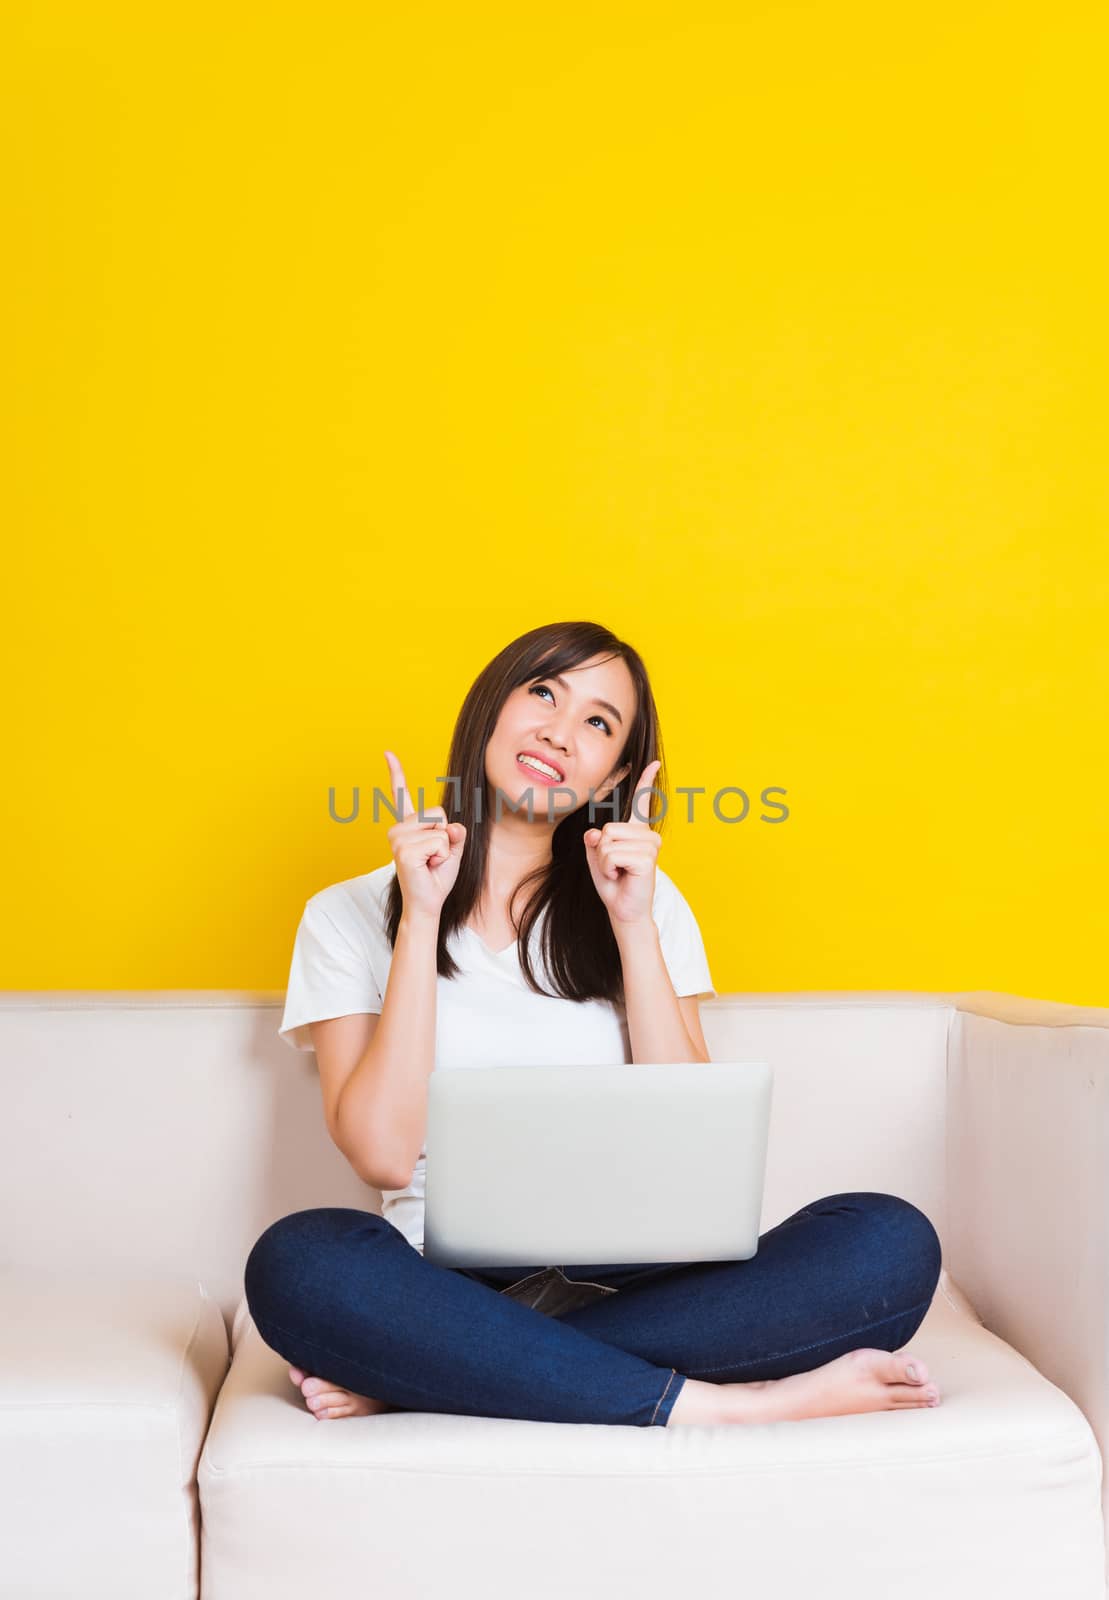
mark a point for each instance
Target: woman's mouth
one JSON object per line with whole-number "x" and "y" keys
{"x": 544, "y": 772}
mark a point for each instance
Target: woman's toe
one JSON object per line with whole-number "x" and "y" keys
{"x": 326, "y": 1399}
{"x": 912, "y": 1394}
{"x": 907, "y": 1368}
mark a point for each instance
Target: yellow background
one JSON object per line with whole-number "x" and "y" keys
{"x": 347, "y": 342}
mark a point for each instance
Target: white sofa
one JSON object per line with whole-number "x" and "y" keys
{"x": 152, "y": 1446}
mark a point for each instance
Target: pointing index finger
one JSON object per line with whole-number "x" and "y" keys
{"x": 641, "y": 812}
{"x": 401, "y": 797}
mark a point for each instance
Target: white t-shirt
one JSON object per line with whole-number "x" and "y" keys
{"x": 485, "y": 1017}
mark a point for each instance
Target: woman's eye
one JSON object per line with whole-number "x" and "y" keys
{"x": 537, "y": 688}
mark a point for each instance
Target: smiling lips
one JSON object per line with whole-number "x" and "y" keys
{"x": 544, "y": 777}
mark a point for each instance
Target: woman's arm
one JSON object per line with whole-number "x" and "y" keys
{"x": 661, "y": 1026}
{"x": 380, "y": 1115}
{"x": 621, "y": 858}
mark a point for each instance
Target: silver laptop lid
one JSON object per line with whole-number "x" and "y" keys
{"x": 639, "y": 1162}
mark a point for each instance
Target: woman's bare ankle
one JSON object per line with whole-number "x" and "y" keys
{"x": 709, "y": 1403}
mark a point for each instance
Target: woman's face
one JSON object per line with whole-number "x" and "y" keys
{"x": 566, "y": 726}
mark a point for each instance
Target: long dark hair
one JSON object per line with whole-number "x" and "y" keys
{"x": 578, "y": 945}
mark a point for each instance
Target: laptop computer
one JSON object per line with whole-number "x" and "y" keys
{"x": 634, "y": 1162}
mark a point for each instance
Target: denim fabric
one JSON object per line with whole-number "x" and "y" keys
{"x": 343, "y": 1294}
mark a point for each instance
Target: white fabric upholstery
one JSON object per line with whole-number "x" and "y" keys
{"x": 106, "y": 1389}
{"x": 993, "y": 1492}
{"x": 150, "y": 1138}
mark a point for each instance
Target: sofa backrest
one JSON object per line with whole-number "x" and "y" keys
{"x": 162, "y": 1132}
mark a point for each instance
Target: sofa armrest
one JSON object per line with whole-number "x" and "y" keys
{"x": 1028, "y": 1184}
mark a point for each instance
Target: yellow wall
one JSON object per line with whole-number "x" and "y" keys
{"x": 349, "y": 341}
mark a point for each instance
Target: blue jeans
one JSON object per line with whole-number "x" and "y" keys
{"x": 343, "y": 1294}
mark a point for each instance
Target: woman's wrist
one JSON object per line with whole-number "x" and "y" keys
{"x": 642, "y": 934}
{"x": 417, "y": 925}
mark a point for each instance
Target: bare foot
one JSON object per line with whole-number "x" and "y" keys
{"x": 861, "y": 1380}
{"x": 326, "y": 1399}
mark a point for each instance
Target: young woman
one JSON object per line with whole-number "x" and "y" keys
{"x": 511, "y": 926}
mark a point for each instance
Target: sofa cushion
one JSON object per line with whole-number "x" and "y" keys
{"x": 107, "y": 1385}
{"x": 995, "y": 1490}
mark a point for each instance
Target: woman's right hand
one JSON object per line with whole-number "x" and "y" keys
{"x": 427, "y": 853}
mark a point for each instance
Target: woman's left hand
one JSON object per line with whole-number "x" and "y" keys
{"x": 622, "y": 856}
